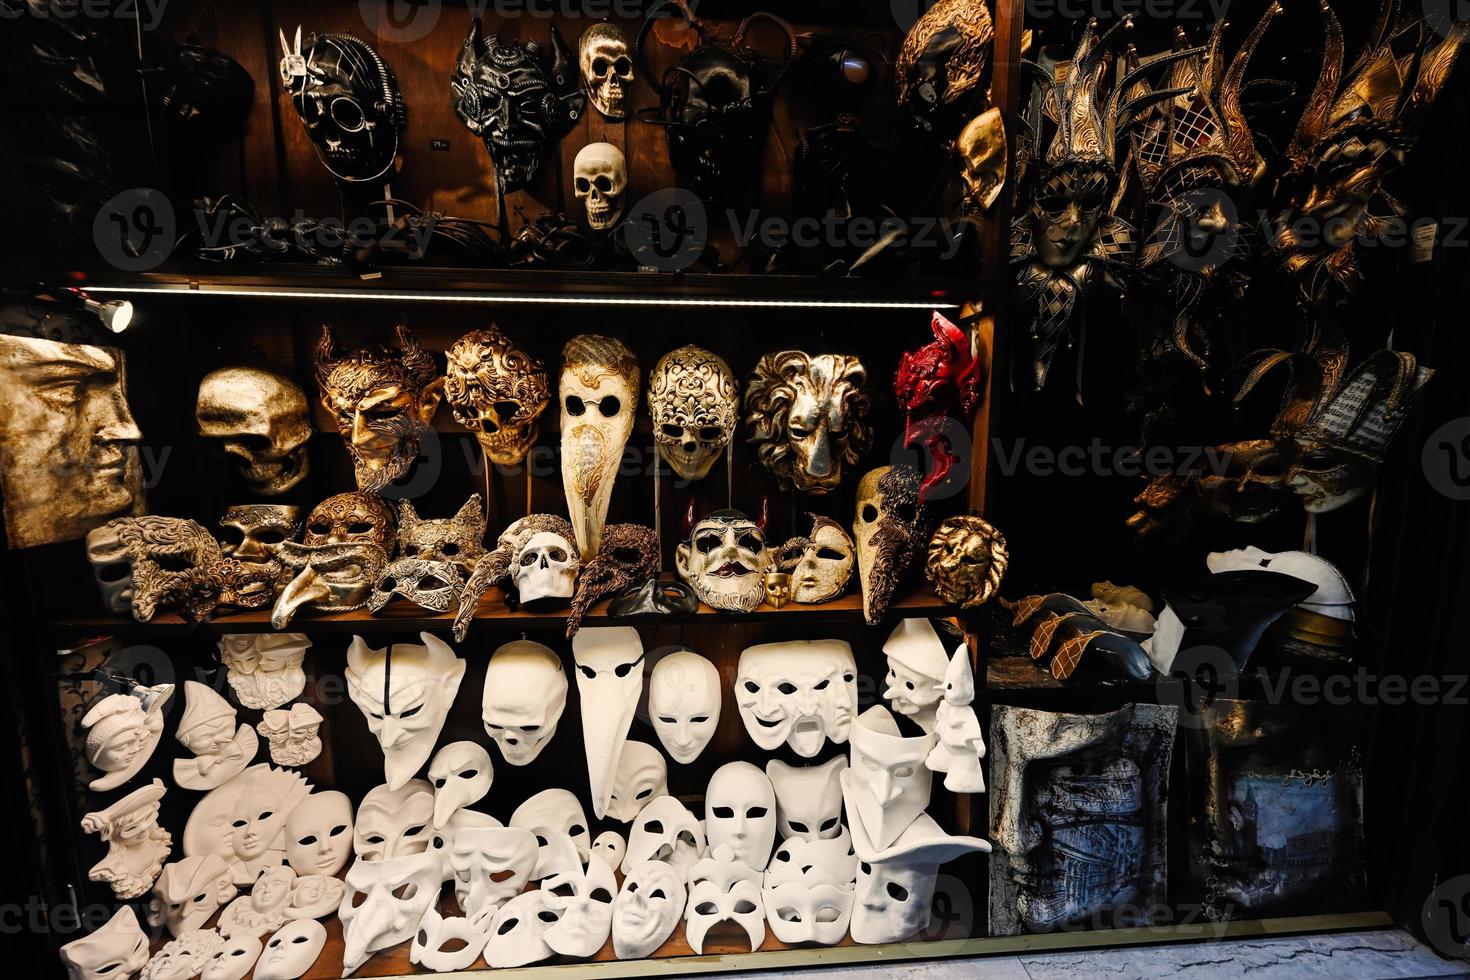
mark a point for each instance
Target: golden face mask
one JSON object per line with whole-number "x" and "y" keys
{"x": 808, "y": 417}
{"x": 982, "y": 152}
{"x": 498, "y": 392}
{"x": 258, "y": 419}
{"x": 967, "y": 559}
{"x": 349, "y": 517}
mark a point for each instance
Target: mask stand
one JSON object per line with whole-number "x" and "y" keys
{"x": 1309, "y": 535}
{"x": 658, "y": 524}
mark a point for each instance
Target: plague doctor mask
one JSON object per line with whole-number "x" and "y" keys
{"x": 189, "y": 891}
{"x": 235, "y": 959}
{"x": 384, "y": 902}
{"x": 348, "y": 101}
{"x": 405, "y": 692}
{"x": 292, "y": 951}
{"x": 497, "y": 391}
{"x": 517, "y": 933}
{"x": 891, "y": 528}
{"x": 221, "y": 749}
{"x": 808, "y": 798}
{"x": 546, "y": 567}
{"x": 461, "y": 775}
{"x": 917, "y": 659}
{"x": 319, "y": 834}
{"x": 642, "y": 775}
{"x": 801, "y": 692}
{"x": 264, "y": 669}
{"x": 491, "y": 866}
{"x": 259, "y": 420}
{"x": 895, "y": 885}
{"x": 887, "y": 784}
{"x": 599, "y": 397}
{"x": 807, "y": 416}
{"x": 684, "y": 694}
{"x": 665, "y": 831}
{"x": 647, "y": 910}
{"x": 327, "y": 578}
{"x": 583, "y": 901}
{"x": 694, "y": 401}
{"x": 607, "y": 68}
{"x": 609, "y": 663}
{"x": 524, "y": 695}
{"x": 117, "y": 949}
{"x": 820, "y": 565}
{"x": 740, "y": 813}
{"x": 721, "y": 889}
{"x": 808, "y": 890}
{"x": 456, "y": 539}
{"x": 244, "y": 821}
{"x": 394, "y": 823}
{"x": 725, "y": 560}
{"x": 558, "y": 811}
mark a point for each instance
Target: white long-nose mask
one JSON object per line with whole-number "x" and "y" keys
{"x": 394, "y": 822}
{"x": 887, "y": 784}
{"x": 684, "y": 703}
{"x": 461, "y": 774}
{"x": 384, "y": 903}
{"x": 609, "y": 683}
{"x": 808, "y": 798}
{"x": 647, "y": 910}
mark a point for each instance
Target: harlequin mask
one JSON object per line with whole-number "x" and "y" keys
{"x": 599, "y": 397}
{"x": 808, "y": 890}
{"x": 740, "y": 811}
{"x": 461, "y": 774}
{"x": 664, "y": 831}
{"x": 917, "y": 658}
{"x": 208, "y": 729}
{"x": 694, "y": 401}
{"x": 258, "y": 419}
{"x": 498, "y": 392}
{"x": 943, "y": 58}
{"x": 122, "y": 732}
{"x": 327, "y": 578}
{"x": 967, "y": 559}
{"x": 394, "y": 823}
{"x": 349, "y": 102}
{"x": 434, "y": 585}
{"x": 117, "y": 949}
{"x": 383, "y": 399}
{"x": 291, "y": 951}
{"x": 721, "y": 889}
{"x": 175, "y": 562}
{"x": 384, "y": 902}
{"x": 629, "y": 556}
{"x": 820, "y": 565}
{"x": 456, "y": 539}
{"x": 725, "y": 560}
{"x": 524, "y": 695}
{"x": 684, "y": 694}
{"x": 546, "y": 568}
{"x": 583, "y": 898}
{"x": 491, "y": 866}
{"x": 895, "y": 885}
{"x": 939, "y": 382}
{"x": 558, "y": 811}
{"x": 250, "y": 532}
{"x": 808, "y": 417}
{"x": 808, "y": 798}
{"x": 353, "y": 516}
{"x": 405, "y": 692}
{"x": 263, "y": 669}
{"x": 891, "y": 527}
{"x": 607, "y": 69}
{"x": 244, "y": 821}
{"x": 609, "y": 683}
{"x": 319, "y": 834}
{"x": 111, "y": 569}
{"x": 801, "y": 692}
{"x": 189, "y": 891}
{"x": 642, "y": 775}
{"x": 647, "y": 910}
{"x": 887, "y": 785}
{"x": 517, "y": 934}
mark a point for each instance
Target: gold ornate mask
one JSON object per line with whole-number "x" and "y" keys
{"x": 982, "y": 152}
{"x": 250, "y": 532}
{"x": 457, "y": 540}
{"x": 967, "y": 559}
{"x": 599, "y": 397}
{"x": 692, "y": 397}
{"x": 943, "y": 57}
{"x": 175, "y": 562}
{"x": 258, "y": 419}
{"x": 498, "y": 392}
{"x": 808, "y": 417}
{"x": 353, "y": 516}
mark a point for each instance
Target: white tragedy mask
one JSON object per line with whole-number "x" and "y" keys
{"x": 722, "y": 889}
{"x": 557, "y": 810}
{"x": 394, "y": 822}
{"x": 895, "y": 885}
{"x": 609, "y": 684}
{"x": 684, "y": 703}
{"x": 808, "y": 890}
{"x": 406, "y": 702}
{"x": 801, "y": 692}
{"x": 461, "y": 774}
{"x": 887, "y": 784}
{"x": 647, "y": 910}
{"x": 384, "y": 902}
{"x": 808, "y": 798}
{"x": 642, "y": 775}
{"x": 583, "y": 899}
{"x": 491, "y": 865}
{"x": 524, "y": 695}
{"x": 665, "y": 831}
{"x": 291, "y": 951}
{"x": 598, "y": 392}
{"x": 740, "y": 812}
{"x": 319, "y": 834}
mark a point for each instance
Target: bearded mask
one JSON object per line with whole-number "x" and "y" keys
{"x": 599, "y": 398}
{"x": 895, "y": 884}
{"x": 117, "y": 949}
{"x": 524, "y": 695}
{"x": 383, "y": 399}
{"x": 405, "y": 693}
{"x": 943, "y": 58}
{"x": 800, "y": 692}
{"x": 498, "y": 392}
{"x": 629, "y": 555}
{"x": 175, "y": 562}
{"x": 384, "y": 903}
{"x": 692, "y": 397}
{"x": 607, "y": 68}
{"x": 609, "y": 663}
{"x": 808, "y": 417}
{"x": 967, "y": 560}
{"x": 891, "y": 526}
{"x": 808, "y": 890}
{"x": 348, "y": 101}
{"x": 258, "y": 419}
{"x": 724, "y": 561}
{"x": 456, "y": 539}
{"x": 820, "y": 565}
{"x": 938, "y": 383}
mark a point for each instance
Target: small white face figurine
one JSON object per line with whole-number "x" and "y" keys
{"x": 583, "y": 899}
{"x": 684, "y": 702}
{"x": 808, "y": 798}
{"x": 887, "y": 783}
{"x": 917, "y": 660}
{"x": 722, "y": 889}
{"x": 524, "y": 695}
{"x": 394, "y": 822}
{"x": 294, "y": 735}
{"x": 264, "y": 669}
{"x": 184, "y": 957}
{"x": 740, "y": 812}
{"x": 800, "y": 692}
{"x": 136, "y": 845}
{"x": 491, "y": 865}
{"x": 461, "y": 774}
{"x": 117, "y": 949}
{"x": 208, "y": 729}
{"x": 642, "y": 775}
{"x": 122, "y": 732}
{"x": 665, "y": 831}
{"x": 319, "y": 834}
{"x": 647, "y": 910}
{"x": 405, "y": 703}
{"x": 557, "y": 810}
{"x": 233, "y": 960}
{"x": 610, "y": 681}
{"x": 291, "y": 951}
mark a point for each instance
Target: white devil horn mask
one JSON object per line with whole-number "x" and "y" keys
{"x": 609, "y": 681}
{"x": 405, "y": 692}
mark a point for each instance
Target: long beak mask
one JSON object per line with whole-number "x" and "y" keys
{"x": 599, "y": 396}
{"x": 329, "y": 578}
{"x": 609, "y": 681}
{"x": 890, "y": 528}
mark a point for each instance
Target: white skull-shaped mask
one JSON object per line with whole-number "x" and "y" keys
{"x": 694, "y": 401}
{"x": 740, "y": 813}
{"x": 583, "y": 899}
{"x": 258, "y": 419}
{"x": 609, "y": 682}
{"x": 291, "y": 951}
{"x": 117, "y": 949}
{"x": 599, "y": 398}
{"x": 607, "y": 68}
{"x": 406, "y": 702}
{"x": 600, "y": 181}
{"x": 524, "y": 695}
{"x": 801, "y": 692}
{"x": 895, "y": 885}
{"x": 887, "y": 784}
{"x": 684, "y": 703}
{"x": 394, "y": 823}
{"x": 665, "y": 831}
{"x": 319, "y": 834}
{"x": 517, "y": 933}
{"x": 555, "y": 810}
{"x": 808, "y": 890}
{"x": 546, "y": 567}
{"x": 725, "y": 561}
{"x": 808, "y": 798}
{"x": 491, "y": 865}
{"x": 647, "y": 910}
{"x": 917, "y": 661}
{"x": 820, "y": 566}
{"x": 642, "y": 775}
{"x": 384, "y": 902}
{"x": 461, "y": 774}
{"x": 721, "y": 889}
{"x": 189, "y": 891}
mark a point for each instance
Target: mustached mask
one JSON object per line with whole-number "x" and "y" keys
{"x": 562, "y": 839}
{"x": 348, "y": 101}
{"x": 808, "y": 890}
{"x": 895, "y": 885}
{"x": 599, "y": 398}
{"x": 609, "y": 684}
{"x": 887, "y": 784}
{"x": 722, "y": 889}
{"x": 524, "y": 695}
{"x": 433, "y": 585}
{"x": 384, "y": 903}
{"x": 642, "y": 775}
{"x": 405, "y": 692}
{"x": 684, "y": 694}
{"x": 647, "y": 910}
{"x": 724, "y": 561}
{"x": 808, "y": 798}
{"x": 891, "y": 529}
{"x": 801, "y": 692}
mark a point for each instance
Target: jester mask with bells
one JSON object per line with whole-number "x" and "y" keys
{"x": 891, "y": 528}
{"x": 382, "y": 399}
{"x": 498, "y": 392}
{"x": 610, "y": 682}
{"x": 258, "y": 419}
{"x": 208, "y": 729}
{"x": 348, "y": 101}
{"x": 808, "y": 417}
{"x": 724, "y": 561}
{"x": 966, "y": 561}
{"x": 821, "y": 564}
{"x": 694, "y": 401}
{"x": 500, "y": 564}
{"x": 524, "y": 695}
{"x": 599, "y": 398}
{"x": 943, "y": 59}
{"x": 456, "y": 539}
{"x": 244, "y": 821}
{"x": 405, "y": 692}
{"x": 938, "y": 382}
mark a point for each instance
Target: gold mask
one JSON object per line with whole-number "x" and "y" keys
{"x": 967, "y": 559}
{"x": 498, "y": 392}
{"x": 982, "y": 152}
{"x": 350, "y": 517}
{"x": 258, "y": 419}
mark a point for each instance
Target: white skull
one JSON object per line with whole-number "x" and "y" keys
{"x": 546, "y": 567}
{"x": 607, "y": 69}
{"x": 600, "y": 179}
{"x": 259, "y": 419}
{"x": 693, "y": 399}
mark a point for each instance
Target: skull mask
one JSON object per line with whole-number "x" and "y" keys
{"x": 808, "y": 890}
{"x": 609, "y": 682}
{"x": 394, "y": 823}
{"x": 740, "y": 812}
{"x": 454, "y": 539}
{"x": 808, "y": 417}
{"x": 111, "y": 569}
{"x": 887, "y": 785}
{"x": 328, "y": 578}
{"x": 351, "y": 517}
{"x": 405, "y": 694}
{"x": 808, "y": 798}
{"x": 642, "y": 775}
{"x": 461, "y": 774}
{"x": 694, "y": 402}
{"x": 498, "y": 392}
{"x": 546, "y": 568}
{"x": 349, "y": 102}
{"x": 664, "y": 831}
{"x": 384, "y": 902}
{"x": 435, "y": 585}
{"x": 250, "y": 532}
{"x": 895, "y": 885}
{"x": 721, "y": 889}
{"x": 583, "y": 900}
{"x": 524, "y": 695}
{"x": 647, "y": 910}
{"x": 600, "y": 179}
{"x": 259, "y": 419}
{"x": 560, "y": 826}
{"x": 967, "y": 559}
{"x": 891, "y": 527}
{"x": 820, "y": 566}
{"x": 629, "y": 556}
{"x": 189, "y": 891}
{"x": 684, "y": 703}
{"x": 982, "y": 151}
{"x": 498, "y": 565}
{"x": 607, "y": 70}
{"x": 801, "y": 692}
{"x": 599, "y": 397}
{"x": 117, "y": 949}
{"x": 383, "y": 399}
{"x": 491, "y": 866}
{"x": 1252, "y": 489}
{"x": 725, "y": 560}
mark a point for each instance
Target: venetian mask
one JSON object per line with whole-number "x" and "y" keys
{"x": 583, "y": 899}
{"x": 348, "y": 101}
{"x": 647, "y": 910}
{"x": 944, "y": 58}
{"x": 291, "y": 951}
{"x": 684, "y": 703}
{"x": 558, "y": 811}
{"x": 136, "y": 845}
{"x": 110, "y": 567}
{"x": 642, "y": 775}
{"x": 721, "y": 889}
{"x": 382, "y": 399}
{"x": 937, "y": 386}
{"x": 234, "y": 960}
{"x": 250, "y": 532}
{"x": 664, "y": 831}
{"x": 694, "y": 401}
{"x": 319, "y": 834}
{"x": 609, "y": 663}
{"x": 917, "y": 659}
{"x": 777, "y": 588}
{"x": 887, "y": 784}
{"x": 725, "y": 560}
{"x": 600, "y": 181}
{"x": 808, "y": 890}
{"x": 394, "y": 823}
{"x": 599, "y": 397}
{"x": 499, "y": 565}
{"x": 800, "y": 692}
{"x": 327, "y": 578}
{"x": 183, "y": 957}
{"x": 264, "y": 669}
{"x": 607, "y": 69}
{"x": 895, "y": 885}
{"x": 961, "y": 746}
{"x": 668, "y": 598}
{"x": 740, "y": 812}
{"x": 611, "y": 847}
{"x": 118, "y": 948}
{"x": 517, "y": 933}
{"x": 967, "y": 559}
{"x": 208, "y": 729}
{"x": 808, "y": 798}
{"x": 257, "y": 419}
{"x": 405, "y": 692}
{"x": 433, "y": 585}
{"x": 244, "y": 821}
{"x": 122, "y": 730}
{"x": 982, "y": 149}
{"x": 294, "y": 735}
{"x": 384, "y": 902}
{"x": 454, "y": 539}
{"x": 353, "y": 517}
{"x": 890, "y": 527}
{"x": 189, "y": 891}
{"x": 524, "y": 695}
{"x": 546, "y": 568}
{"x": 820, "y": 565}
{"x": 497, "y": 391}
{"x": 491, "y": 866}
{"x": 443, "y": 943}
{"x": 461, "y": 774}
{"x": 629, "y": 557}
{"x": 1252, "y": 488}
{"x": 175, "y": 562}
{"x": 808, "y": 417}
{"x": 264, "y": 909}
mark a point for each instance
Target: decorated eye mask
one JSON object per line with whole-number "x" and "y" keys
{"x": 394, "y": 822}
{"x": 694, "y": 401}
{"x": 583, "y": 899}
{"x": 319, "y": 834}
{"x": 887, "y": 784}
{"x": 456, "y": 539}
{"x": 491, "y": 865}
{"x": 175, "y": 563}
{"x": 524, "y": 695}
{"x": 352, "y": 517}
{"x": 189, "y": 891}
{"x": 642, "y": 775}
{"x": 800, "y": 692}
{"x": 384, "y": 903}
{"x": 435, "y": 585}
{"x": 348, "y": 101}
{"x": 405, "y": 693}
{"x": 895, "y": 886}
{"x": 647, "y": 910}
{"x": 250, "y": 532}
{"x": 461, "y": 775}
{"x": 498, "y": 392}
{"x": 599, "y": 397}
{"x": 517, "y": 933}
{"x": 722, "y": 889}
{"x": 609, "y": 663}
{"x": 820, "y": 566}
{"x": 724, "y": 561}
{"x": 740, "y": 813}
{"x": 684, "y": 695}
{"x": 665, "y": 831}
{"x": 808, "y": 890}
{"x": 291, "y": 951}
{"x": 327, "y": 578}
{"x": 555, "y": 810}
{"x": 117, "y": 949}
{"x": 244, "y": 821}
{"x": 808, "y": 798}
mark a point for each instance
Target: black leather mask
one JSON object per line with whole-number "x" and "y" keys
{"x": 349, "y": 102}
{"x": 655, "y": 597}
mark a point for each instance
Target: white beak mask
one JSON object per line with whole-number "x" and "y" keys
{"x": 233, "y": 960}
{"x": 665, "y": 831}
{"x": 808, "y": 890}
{"x": 405, "y": 693}
{"x": 221, "y": 749}
{"x": 517, "y": 933}
{"x": 740, "y": 812}
{"x": 599, "y": 396}
{"x": 583, "y": 899}
{"x": 394, "y": 823}
{"x": 961, "y": 745}
{"x": 808, "y": 798}
{"x": 609, "y": 683}
{"x": 524, "y": 695}
{"x": 801, "y": 692}
{"x": 895, "y": 885}
{"x": 611, "y": 847}
{"x": 117, "y": 949}
{"x": 491, "y": 865}
{"x": 684, "y": 702}
{"x": 443, "y": 943}
{"x": 384, "y": 903}
{"x": 461, "y": 774}
{"x": 291, "y": 951}
{"x": 917, "y": 660}
{"x": 721, "y": 889}
{"x": 319, "y": 834}
{"x": 546, "y": 568}
{"x": 887, "y": 784}
{"x": 642, "y": 774}
{"x": 244, "y": 821}
{"x": 647, "y": 909}
{"x": 558, "y": 811}
{"x": 189, "y": 891}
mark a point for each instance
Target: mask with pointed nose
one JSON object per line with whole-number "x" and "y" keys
{"x": 405, "y": 692}
{"x": 461, "y": 775}
{"x": 887, "y": 784}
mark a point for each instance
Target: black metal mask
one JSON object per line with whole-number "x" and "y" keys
{"x": 655, "y": 597}
{"x": 349, "y": 102}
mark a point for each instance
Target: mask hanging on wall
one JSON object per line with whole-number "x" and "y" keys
{"x": 374, "y": 916}
{"x": 820, "y": 565}
{"x": 557, "y": 811}
{"x": 684, "y": 694}
{"x": 607, "y": 68}
{"x": 943, "y": 60}
{"x": 491, "y": 866}
{"x": 599, "y": 398}
{"x": 665, "y": 831}
{"x": 500, "y": 565}
{"x": 983, "y": 151}
{"x": 966, "y": 562}
{"x": 518, "y": 932}
{"x": 456, "y": 539}
{"x": 820, "y": 706}
{"x": 583, "y": 899}
{"x": 207, "y": 729}
{"x": 961, "y": 746}
{"x": 497, "y": 391}
{"x": 895, "y": 885}
{"x": 136, "y": 845}
{"x": 394, "y": 823}
{"x": 189, "y": 891}
{"x": 891, "y": 527}
{"x": 808, "y": 890}
{"x": 609, "y": 663}
{"x": 294, "y": 735}
{"x": 629, "y": 557}
{"x": 461, "y": 774}
{"x": 807, "y": 417}
{"x": 244, "y": 821}
{"x": 405, "y": 692}
{"x": 122, "y": 730}
{"x": 808, "y": 798}
{"x": 264, "y": 669}
{"x": 740, "y": 813}
{"x": 524, "y": 695}
{"x": 887, "y": 784}
{"x": 292, "y": 951}
{"x": 328, "y": 578}
{"x": 319, "y": 834}
{"x": 694, "y": 402}
{"x": 641, "y": 775}
{"x": 348, "y": 101}
{"x": 600, "y": 182}
{"x": 724, "y": 561}
{"x": 258, "y": 419}
{"x": 722, "y": 890}
{"x": 647, "y": 910}
{"x": 118, "y": 948}
{"x": 941, "y": 382}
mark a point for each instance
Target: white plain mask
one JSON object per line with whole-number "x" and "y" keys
{"x": 642, "y": 775}
{"x": 234, "y": 960}
{"x": 461, "y": 774}
{"x": 917, "y": 661}
{"x": 801, "y": 692}
{"x": 436, "y": 932}
{"x": 583, "y": 898}
{"x": 517, "y": 933}
{"x": 557, "y": 810}
{"x": 887, "y": 784}
{"x": 808, "y": 890}
{"x": 684, "y": 703}
{"x": 319, "y": 834}
{"x": 117, "y": 949}
{"x": 611, "y": 847}
{"x": 808, "y": 798}
{"x": 420, "y": 686}
{"x": 609, "y": 683}
{"x": 480, "y": 859}
{"x": 665, "y": 831}
{"x": 546, "y": 567}
{"x": 524, "y": 695}
{"x": 740, "y": 811}
{"x": 647, "y": 910}
{"x": 394, "y": 822}
{"x": 384, "y": 903}
{"x": 722, "y": 889}
{"x": 291, "y": 951}
{"x": 895, "y": 886}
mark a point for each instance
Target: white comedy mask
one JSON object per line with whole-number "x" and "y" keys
{"x": 887, "y": 783}
{"x": 264, "y": 669}
{"x": 694, "y": 401}
{"x": 647, "y": 910}
{"x": 491, "y": 866}
{"x": 895, "y": 885}
{"x": 244, "y": 821}
{"x": 725, "y": 560}
{"x": 291, "y": 951}
{"x": 114, "y": 950}
{"x": 405, "y": 703}
{"x": 665, "y": 831}
{"x": 208, "y": 729}
{"x": 642, "y": 775}
{"x": 600, "y": 181}
{"x": 599, "y": 398}
{"x": 722, "y": 889}
{"x": 384, "y": 903}
{"x": 319, "y": 834}
{"x": 524, "y": 695}
{"x": 461, "y": 774}
{"x": 582, "y": 899}
{"x": 808, "y": 890}
{"x": 740, "y": 812}
{"x": 609, "y": 684}
{"x": 808, "y": 798}
{"x": 684, "y": 703}
{"x": 555, "y": 810}
{"x": 801, "y": 692}
{"x": 917, "y": 659}
{"x": 394, "y": 822}
{"x": 546, "y": 567}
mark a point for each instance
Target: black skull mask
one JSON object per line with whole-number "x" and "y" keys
{"x": 349, "y": 102}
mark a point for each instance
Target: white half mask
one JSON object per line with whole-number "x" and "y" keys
{"x": 112, "y": 569}
{"x": 319, "y": 834}
{"x": 598, "y": 392}
{"x": 895, "y": 885}
{"x": 207, "y": 729}
{"x": 961, "y": 744}
{"x": 119, "y": 948}
{"x": 384, "y": 903}
{"x": 461, "y": 774}
{"x": 611, "y": 847}
{"x": 405, "y": 703}
{"x": 887, "y": 784}
{"x": 264, "y": 909}
{"x": 600, "y": 181}
{"x": 725, "y": 561}
{"x": 394, "y": 823}
{"x": 609, "y": 683}
{"x": 546, "y": 567}
{"x": 665, "y": 831}
{"x": 820, "y": 566}
{"x": 491, "y": 865}
{"x": 244, "y": 821}
{"x": 808, "y": 890}
{"x": 583, "y": 899}
{"x": 694, "y": 402}
{"x": 801, "y": 692}
{"x": 808, "y": 798}
{"x": 1334, "y": 596}
{"x": 436, "y": 933}
{"x": 740, "y": 811}
{"x": 647, "y": 910}
{"x": 291, "y": 951}
{"x": 642, "y": 775}
{"x": 917, "y": 659}
{"x": 556, "y": 810}
{"x": 524, "y": 695}
{"x": 684, "y": 702}
{"x": 122, "y": 732}
{"x": 189, "y": 891}
{"x": 314, "y": 897}
{"x": 234, "y": 960}
{"x": 264, "y": 669}
{"x": 517, "y": 934}
{"x": 721, "y": 889}
{"x": 183, "y": 957}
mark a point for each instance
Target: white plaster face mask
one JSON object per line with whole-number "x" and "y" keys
{"x": 895, "y": 885}
{"x": 584, "y": 900}
{"x": 721, "y": 889}
{"x": 244, "y": 821}
{"x": 233, "y": 960}
{"x": 808, "y": 798}
{"x": 291, "y": 951}
{"x": 394, "y": 823}
{"x": 208, "y": 729}
{"x": 183, "y": 957}
{"x": 384, "y": 903}
{"x": 122, "y": 732}
{"x": 264, "y": 669}
{"x": 801, "y": 692}
{"x": 314, "y": 897}
{"x": 319, "y": 834}
{"x": 887, "y": 785}
{"x": 808, "y": 890}
{"x": 609, "y": 682}
{"x": 517, "y": 934}
{"x": 611, "y": 847}
{"x": 599, "y": 396}
{"x": 294, "y": 736}
{"x": 684, "y": 702}
{"x": 917, "y": 660}
{"x": 461, "y": 774}
{"x": 642, "y": 775}
{"x": 491, "y": 865}
{"x": 136, "y": 845}
{"x": 665, "y": 831}
{"x": 740, "y": 812}
{"x": 189, "y": 891}
{"x": 647, "y": 910}
{"x": 524, "y": 695}
{"x": 264, "y": 909}
{"x": 117, "y": 949}
{"x": 405, "y": 703}
{"x": 555, "y": 810}
{"x": 442, "y": 943}
{"x": 546, "y": 568}
{"x": 111, "y": 569}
